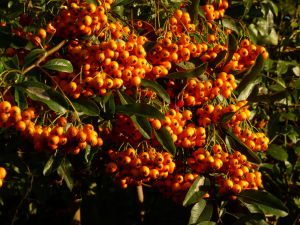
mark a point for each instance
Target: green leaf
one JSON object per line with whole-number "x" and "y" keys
{"x": 244, "y": 149}
{"x": 122, "y": 3}
{"x": 52, "y": 164}
{"x": 247, "y": 4}
{"x": 86, "y": 106}
{"x": 206, "y": 223}
{"x": 141, "y": 123}
{"x": 220, "y": 57}
{"x": 38, "y": 91}
{"x": 124, "y": 98}
{"x": 20, "y": 98}
{"x": 206, "y": 214}
{"x": 268, "y": 203}
{"x": 277, "y": 152}
{"x": 232, "y": 47}
{"x": 251, "y": 78}
{"x": 251, "y": 219}
{"x": 32, "y": 56}
{"x": 230, "y": 24}
{"x": 61, "y": 65}
{"x": 227, "y": 116}
{"x": 186, "y": 65}
{"x": 110, "y": 105}
{"x": 87, "y": 152}
{"x": 195, "y": 10}
{"x": 164, "y": 138}
{"x": 194, "y": 194}
{"x": 64, "y": 170}
{"x": 153, "y": 85}
{"x": 198, "y": 71}
{"x": 143, "y": 126}
{"x": 196, "y": 211}
{"x": 140, "y": 109}
{"x": 297, "y": 84}
{"x": 95, "y": 2}
{"x": 270, "y": 97}
{"x": 248, "y": 90}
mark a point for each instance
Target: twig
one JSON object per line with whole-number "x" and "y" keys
{"x": 62, "y": 92}
{"x": 48, "y": 53}
{"x": 140, "y": 195}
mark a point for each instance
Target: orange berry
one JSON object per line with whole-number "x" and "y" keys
{"x": 2, "y": 173}
{"x": 42, "y": 33}
{"x": 111, "y": 167}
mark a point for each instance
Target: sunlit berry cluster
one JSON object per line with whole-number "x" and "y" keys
{"x": 129, "y": 167}
{"x": 58, "y": 136}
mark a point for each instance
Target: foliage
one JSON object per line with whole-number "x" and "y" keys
{"x": 199, "y": 106}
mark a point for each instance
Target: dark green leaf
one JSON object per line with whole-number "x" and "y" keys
{"x": 149, "y": 45}
{"x": 86, "y": 106}
{"x": 251, "y": 219}
{"x": 40, "y": 92}
{"x": 153, "y": 85}
{"x": 32, "y": 56}
{"x": 269, "y": 98}
{"x": 142, "y": 123}
{"x": 251, "y": 78}
{"x": 297, "y": 84}
{"x": 194, "y": 12}
{"x": 265, "y": 201}
{"x": 220, "y": 57}
{"x": 110, "y": 105}
{"x": 64, "y": 170}
{"x": 164, "y": 138}
{"x": 235, "y": 141}
{"x": 140, "y": 109}
{"x": 20, "y": 98}
{"x": 198, "y": 71}
{"x": 232, "y": 47}
{"x": 206, "y": 223}
{"x": 227, "y": 116}
{"x": 194, "y": 193}
{"x": 61, "y": 65}
{"x": 124, "y": 98}
{"x": 143, "y": 126}
{"x": 277, "y": 152}
{"x": 52, "y": 164}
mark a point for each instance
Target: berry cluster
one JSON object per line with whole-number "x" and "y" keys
{"x": 234, "y": 173}
{"x": 176, "y": 185}
{"x": 213, "y": 113}
{"x": 51, "y": 138}
{"x": 255, "y": 141}
{"x": 183, "y": 131}
{"x": 89, "y": 19}
{"x": 131, "y": 168}
{"x": 216, "y": 10}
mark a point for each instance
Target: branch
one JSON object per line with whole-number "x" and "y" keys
{"x": 140, "y": 195}
{"x": 48, "y": 53}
